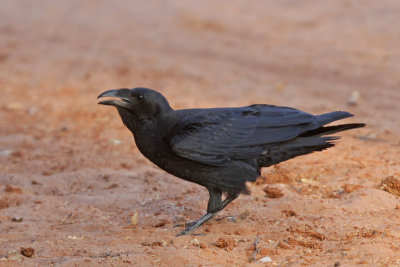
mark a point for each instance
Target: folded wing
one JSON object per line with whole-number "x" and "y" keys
{"x": 217, "y": 136}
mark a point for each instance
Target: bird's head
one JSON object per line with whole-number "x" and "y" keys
{"x": 141, "y": 102}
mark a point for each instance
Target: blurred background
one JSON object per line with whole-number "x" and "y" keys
{"x": 308, "y": 54}
{"x": 56, "y": 57}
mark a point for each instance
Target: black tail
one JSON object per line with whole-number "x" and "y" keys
{"x": 332, "y": 129}
{"x": 296, "y": 147}
{"x": 331, "y": 116}
{"x": 309, "y": 141}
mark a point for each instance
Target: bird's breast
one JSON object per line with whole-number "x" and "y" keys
{"x": 159, "y": 152}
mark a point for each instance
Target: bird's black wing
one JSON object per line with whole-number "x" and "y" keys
{"x": 216, "y": 136}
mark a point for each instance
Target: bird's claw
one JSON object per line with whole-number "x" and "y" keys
{"x": 186, "y": 224}
{"x": 184, "y": 232}
{"x": 229, "y": 218}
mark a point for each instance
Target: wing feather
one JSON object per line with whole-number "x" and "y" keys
{"x": 216, "y": 136}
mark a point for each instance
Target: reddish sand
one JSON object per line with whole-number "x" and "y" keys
{"x": 75, "y": 191}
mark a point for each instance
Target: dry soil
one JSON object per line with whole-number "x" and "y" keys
{"x": 75, "y": 191}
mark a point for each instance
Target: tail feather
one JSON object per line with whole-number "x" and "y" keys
{"x": 297, "y": 147}
{"x": 332, "y": 116}
{"x": 332, "y": 129}
{"x": 306, "y": 143}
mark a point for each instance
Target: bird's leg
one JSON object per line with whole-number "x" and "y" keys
{"x": 215, "y": 205}
{"x": 215, "y": 201}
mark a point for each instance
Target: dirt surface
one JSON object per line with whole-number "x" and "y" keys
{"x": 75, "y": 191}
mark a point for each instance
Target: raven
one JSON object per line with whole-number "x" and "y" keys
{"x": 220, "y": 148}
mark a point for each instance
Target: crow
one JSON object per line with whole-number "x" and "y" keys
{"x": 220, "y": 148}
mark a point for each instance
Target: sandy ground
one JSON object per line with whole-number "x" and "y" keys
{"x": 75, "y": 191}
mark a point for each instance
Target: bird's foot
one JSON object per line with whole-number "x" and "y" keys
{"x": 185, "y": 232}
{"x": 206, "y": 217}
{"x": 185, "y": 224}
{"x": 197, "y": 224}
{"x": 232, "y": 218}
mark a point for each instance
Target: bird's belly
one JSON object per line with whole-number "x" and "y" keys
{"x": 229, "y": 178}
{"x": 160, "y": 154}
{"x": 186, "y": 169}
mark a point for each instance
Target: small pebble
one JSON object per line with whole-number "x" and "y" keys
{"x": 353, "y": 99}
{"x": 27, "y": 252}
{"x": 264, "y": 260}
{"x": 17, "y": 219}
{"x": 14, "y": 106}
{"x": 115, "y": 141}
{"x": 203, "y": 246}
{"x": 135, "y": 218}
{"x": 283, "y": 245}
{"x": 32, "y": 110}
{"x": 194, "y": 242}
{"x": 5, "y": 152}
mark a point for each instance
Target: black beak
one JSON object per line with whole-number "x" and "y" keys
{"x": 120, "y": 98}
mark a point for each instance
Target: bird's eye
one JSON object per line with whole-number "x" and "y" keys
{"x": 140, "y": 97}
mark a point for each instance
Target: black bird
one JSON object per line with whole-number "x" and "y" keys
{"x": 220, "y": 148}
